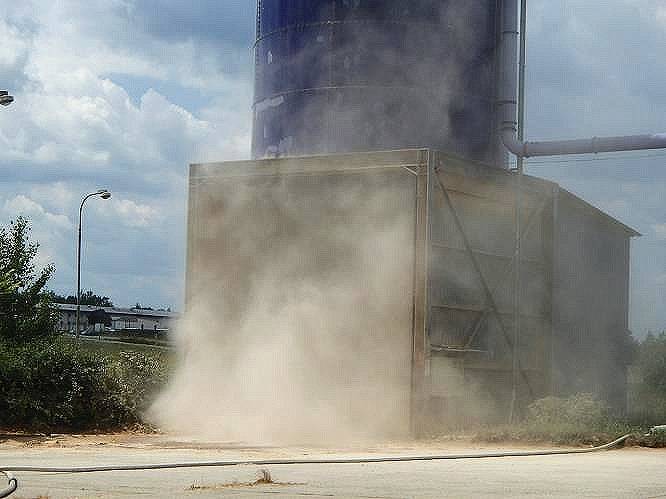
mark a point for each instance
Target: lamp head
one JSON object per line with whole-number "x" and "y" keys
{"x": 5, "y": 98}
{"x": 104, "y": 194}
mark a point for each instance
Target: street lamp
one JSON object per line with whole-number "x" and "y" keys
{"x": 104, "y": 194}
{"x": 5, "y": 98}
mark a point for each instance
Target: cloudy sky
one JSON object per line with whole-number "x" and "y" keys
{"x": 124, "y": 94}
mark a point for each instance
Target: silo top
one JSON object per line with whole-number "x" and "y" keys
{"x": 360, "y": 75}
{"x": 274, "y": 15}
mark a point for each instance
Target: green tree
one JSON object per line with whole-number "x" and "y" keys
{"x": 138, "y": 306}
{"x": 87, "y": 298}
{"x": 26, "y": 312}
{"x": 648, "y": 392}
{"x": 7, "y": 285}
{"x": 652, "y": 363}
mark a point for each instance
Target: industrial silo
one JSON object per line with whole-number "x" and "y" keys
{"x": 365, "y": 75}
{"x": 374, "y": 219}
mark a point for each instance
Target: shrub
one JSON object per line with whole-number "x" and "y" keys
{"x": 648, "y": 392}
{"x": 48, "y": 383}
{"x": 139, "y": 377}
{"x": 580, "y": 410}
{"x": 579, "y": 419}
{"x": 652, "y": 363}
{"x": 54, "y": 385}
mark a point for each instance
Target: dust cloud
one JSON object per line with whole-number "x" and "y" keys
{"x": 300, "y": 287}
{"x": 298, "y": 325}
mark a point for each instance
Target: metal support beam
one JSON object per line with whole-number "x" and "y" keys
{"x": 476, "y": 328}
{"x": 508, "y": 108}
{"x": 510, "y": 268}
{"x": 490, "y": 300}
{"x": 419, "y": 328}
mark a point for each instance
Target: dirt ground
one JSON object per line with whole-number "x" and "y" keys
{"x": 632, "y": 472}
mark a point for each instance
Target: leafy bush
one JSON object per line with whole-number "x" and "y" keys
{"x": 648, "y": 393}
{"x": 652, "y": 362}
{"x": 579, "y": 419}
{"x": 581, "y": 410}
{"x": 49, "y": 383}
{"x": 584, "y": 419}
{"x": 139, "y": 377}
{"x": 54, "y": 385}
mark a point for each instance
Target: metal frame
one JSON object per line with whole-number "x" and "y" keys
{"x": 458, "y": 180}
{"x": 415, "y": 163}
{"x": 420, "y": 343}
{"x": 491, "y": 305}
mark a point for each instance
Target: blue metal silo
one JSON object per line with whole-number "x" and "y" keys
{"x": 362, "y": 75}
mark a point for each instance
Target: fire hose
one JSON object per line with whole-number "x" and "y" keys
{"x": 13, "y": 481}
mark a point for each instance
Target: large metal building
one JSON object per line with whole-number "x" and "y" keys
{"x": 451, "y": 322}
{"x": 425, "y": 241}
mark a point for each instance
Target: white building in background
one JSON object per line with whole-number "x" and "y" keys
{"x": 122, "y": 319}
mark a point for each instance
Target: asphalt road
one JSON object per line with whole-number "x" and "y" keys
{"x": 622, "y": 473}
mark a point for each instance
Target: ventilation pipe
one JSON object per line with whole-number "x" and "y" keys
{"x": 508, "y": 105}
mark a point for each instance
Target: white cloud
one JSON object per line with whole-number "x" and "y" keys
{"x": 23, "y": 205}
{"x": 105, "y": 131}
{"x": 57, "y": 196}
{"x": 53, "y": 231}
{"x": 72, "y": 129}
{"x": 101, "y": 37}
{"x": 131, "y": 214}
{"x": 14, "y": 46}
{"x": 70, "y": 112}
{"x": 595, "y": 69}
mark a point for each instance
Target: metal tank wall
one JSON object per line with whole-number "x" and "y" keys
{"x": 362, "y": 75}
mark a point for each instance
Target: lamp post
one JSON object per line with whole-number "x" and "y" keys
{"x": 104, "y": 194}
{"x": 5, "y": 98}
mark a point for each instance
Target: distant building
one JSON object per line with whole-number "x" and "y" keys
{"x": 120, "y": 319}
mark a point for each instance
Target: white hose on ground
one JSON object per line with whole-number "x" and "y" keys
{"x": 13, "y": 482}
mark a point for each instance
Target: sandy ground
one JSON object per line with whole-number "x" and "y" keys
{"x": 629, "y": 472}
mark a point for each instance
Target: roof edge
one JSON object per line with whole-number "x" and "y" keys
{"x": 629, "y": 230}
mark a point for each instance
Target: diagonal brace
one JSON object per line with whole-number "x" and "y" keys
{"x": 490, "y": 300}
{"x": 476, "y": 327}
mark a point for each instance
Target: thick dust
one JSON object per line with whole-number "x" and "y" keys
{"x": 299, "y": 316}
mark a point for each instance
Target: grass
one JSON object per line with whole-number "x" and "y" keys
{"x": 577, "y": 420}
{"x": 570, "y": 435}
{"x": 114, "y": 348}
{"x": 557, "y": 434}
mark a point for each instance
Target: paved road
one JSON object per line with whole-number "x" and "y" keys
{"x": 622, "y": 473}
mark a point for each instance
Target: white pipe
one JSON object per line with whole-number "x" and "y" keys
{"x": 509, "y": 108}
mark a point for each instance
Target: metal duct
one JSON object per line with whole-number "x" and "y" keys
{"x": 508, "y": 104}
